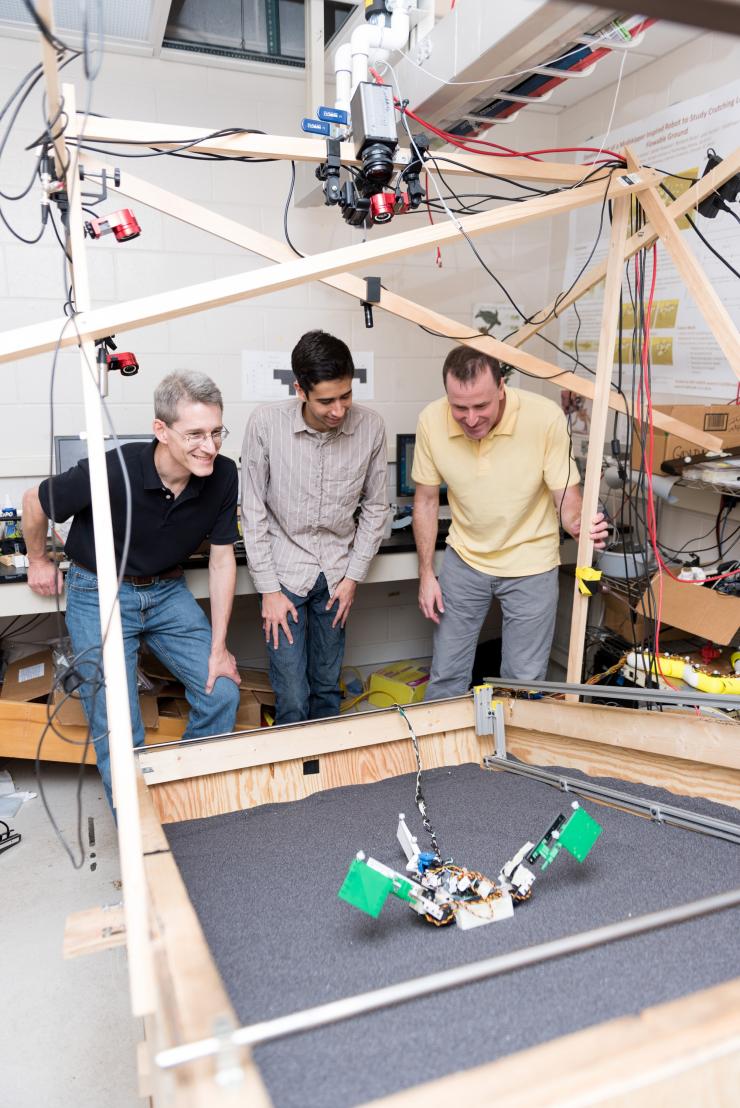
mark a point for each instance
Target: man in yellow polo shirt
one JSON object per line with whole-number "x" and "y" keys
{"x": 506, "y": 459}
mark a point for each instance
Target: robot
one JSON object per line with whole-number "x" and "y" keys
{"x": 442, "y": 892}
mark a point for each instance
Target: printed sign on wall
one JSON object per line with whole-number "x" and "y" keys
{"x": 266, "y": 375}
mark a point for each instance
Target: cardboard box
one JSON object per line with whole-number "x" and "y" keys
{"x": 32, "y": 678}
{"x": 722, "y": 420}
{"x": 29, "y": 678}
{"x": 256, "y": 699}
{"x": 704, "y": 612}
{"x": 623, "y": 620}
{"x": 71, "y": 712}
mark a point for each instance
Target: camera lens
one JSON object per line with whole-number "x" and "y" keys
{"x": 377, "y": 163}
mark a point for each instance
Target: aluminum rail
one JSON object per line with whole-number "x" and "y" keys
{"x": 617, "y": 692}
{"x": 656, "y": 810}
{"x": 311, "y": 1018}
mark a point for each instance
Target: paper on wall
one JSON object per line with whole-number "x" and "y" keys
{"x": 266, "y": 375}
{"x": 686, "y": 360}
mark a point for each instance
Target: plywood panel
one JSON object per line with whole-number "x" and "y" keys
{"x": 598, "y": 760}
{"x": 277, "y": 782}
{"x": 677, "y": 734}
{"x": 21, "y": 726}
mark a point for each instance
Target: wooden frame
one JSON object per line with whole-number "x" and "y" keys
{"x": 173, "y": 982}
{"x": 690, "y": 1043}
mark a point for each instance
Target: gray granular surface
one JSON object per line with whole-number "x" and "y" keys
{"x": 264, "y": 883}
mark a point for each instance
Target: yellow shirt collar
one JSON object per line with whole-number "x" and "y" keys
{"x": 505, "y": 427}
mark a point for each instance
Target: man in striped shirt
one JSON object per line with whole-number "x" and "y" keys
{"x": 307, "y": 464}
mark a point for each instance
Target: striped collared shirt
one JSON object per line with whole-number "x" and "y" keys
{"x": 300, "y": 490}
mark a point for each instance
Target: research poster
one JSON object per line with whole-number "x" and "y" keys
{"x": 687, "y": 364}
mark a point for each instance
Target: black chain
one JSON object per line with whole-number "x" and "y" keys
{"x": 419, "y": 796}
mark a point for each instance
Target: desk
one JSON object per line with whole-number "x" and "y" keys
{"x": 16, "y": 599}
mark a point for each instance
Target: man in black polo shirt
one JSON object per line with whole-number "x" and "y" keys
{"x": 181, "y": 492}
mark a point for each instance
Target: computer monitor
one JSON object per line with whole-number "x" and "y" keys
{"x": 71, "y": 449}
{"x": 404, "y": 464}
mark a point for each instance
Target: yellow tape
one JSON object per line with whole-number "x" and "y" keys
{"x": 586, "y": 573}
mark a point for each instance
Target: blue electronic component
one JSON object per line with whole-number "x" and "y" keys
{"x": 333, "y": 115}
{"x": 426, "y": 860}
{"x": 315, "y": 127}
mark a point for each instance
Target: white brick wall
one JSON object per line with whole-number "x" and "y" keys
{"x": 168, "y": 254}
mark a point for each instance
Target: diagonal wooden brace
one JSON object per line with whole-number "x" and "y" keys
{"x": 643, "y": 238}
{"x": 118, "y": 318}
{"x": 231, "y": 231}
{"x": 708, "y": 302}
{"x": 609, "y": 321}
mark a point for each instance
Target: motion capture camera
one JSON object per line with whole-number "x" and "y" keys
{"x": 727, "y": 193}
{"x": 123, "y": 225}
{"x": 124, "y": 362}
{"x": 370, "y": 196}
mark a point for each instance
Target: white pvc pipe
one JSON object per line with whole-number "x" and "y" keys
{"x": 360, "y": 44}
{"x": 343, "y": 73}
{"x": 392, "y": 37}
{"x": 375, "y": 41}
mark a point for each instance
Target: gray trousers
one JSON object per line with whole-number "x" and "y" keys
{"x": 528, "y": 605}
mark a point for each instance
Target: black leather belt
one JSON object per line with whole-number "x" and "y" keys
{"x": 142, "y": 581}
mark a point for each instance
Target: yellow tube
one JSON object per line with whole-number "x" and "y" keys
{"x": 678, "y": 669}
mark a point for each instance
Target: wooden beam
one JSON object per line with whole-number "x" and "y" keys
{"x": 641, "y": 239}
{"x": 94, "y": 929}
{"x": 53, "y": 91}
{"x": 114, "y": 663}
{"x": 231, "y": 231}
{"x": 277, "y": 744}
{"x": 597, "y": 433}
{"x": 192, "y": 1000}
{"x": 117, "y": 318}
{"x": 166, "y": 136}
{"x": 683, "y": 737}
{"x": 715, "y": 314}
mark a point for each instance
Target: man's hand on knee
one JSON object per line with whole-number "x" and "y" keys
{"x": 44, "y": 578}
{"x": 430, "y": 597}
{"x": 275, "y": 609}
{"x": 343, "y": 596}
{"x": 222, "y": 663}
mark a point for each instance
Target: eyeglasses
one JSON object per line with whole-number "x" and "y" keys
{"x": 198, "y": 438}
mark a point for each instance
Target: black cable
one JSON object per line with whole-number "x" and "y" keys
{"x": 285, "y": 211}
{"x": 91, "y": 73}
{"x": 180, "y": 148}
{"x": 43, "y": 27}
{"x": 706, "y": 242}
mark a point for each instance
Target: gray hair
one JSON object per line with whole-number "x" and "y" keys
{"x": 186, "y": 384}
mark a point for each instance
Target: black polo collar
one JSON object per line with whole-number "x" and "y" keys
{"x": 153, "y": 481}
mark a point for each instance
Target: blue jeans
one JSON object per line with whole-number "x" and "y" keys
{"x": 305, "y": 676}
{"x": 166, "y": 617}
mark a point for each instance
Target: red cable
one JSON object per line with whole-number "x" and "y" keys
{"x": 649, "y": 459}
{"x": 581, "y": 64}
{"x": 651, "y": 514}
{"x": 502, "y": 151}
{"x": 438, "y": 258}
{"x": 584, "y": 63}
